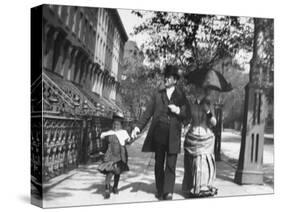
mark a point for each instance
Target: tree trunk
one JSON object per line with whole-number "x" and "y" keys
{"x": 251, "y": 153}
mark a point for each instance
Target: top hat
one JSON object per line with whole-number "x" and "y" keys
{"x": 118, "y": 115}
{"x": 171, "y": 70}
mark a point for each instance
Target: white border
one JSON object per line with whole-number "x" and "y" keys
{"x": 15, "y": 106}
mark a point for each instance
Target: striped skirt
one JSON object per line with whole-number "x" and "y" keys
{"x": 199, "y": 166}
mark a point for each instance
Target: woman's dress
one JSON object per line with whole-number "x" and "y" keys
{"x": 199, "y": 160}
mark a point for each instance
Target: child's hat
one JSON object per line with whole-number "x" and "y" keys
{"x": 118, "y": 115}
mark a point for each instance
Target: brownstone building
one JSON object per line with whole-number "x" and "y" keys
{"x": 84, "y": 46}
{"x": 75, "y": 84}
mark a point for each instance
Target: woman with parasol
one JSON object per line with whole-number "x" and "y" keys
{"x": 199, "y": 160}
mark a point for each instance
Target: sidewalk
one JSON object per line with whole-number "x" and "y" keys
{"x": 85, "y": 185}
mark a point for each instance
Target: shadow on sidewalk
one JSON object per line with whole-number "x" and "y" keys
{"x": 47, "y": 187}
{"x": 228, "y": 173}
{"x": 97, "y": 187}
{"x": 225, "y": 173}
{"x": 148, "y": 188}
{"x": 139, "y": 186}
{"x": 54, "y": 195}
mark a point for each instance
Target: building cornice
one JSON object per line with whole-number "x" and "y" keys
{"x": 117, "y": 18}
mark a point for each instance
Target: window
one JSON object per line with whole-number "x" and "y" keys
{"x": 101, "y": 16}
{"x": 74, "y": 19}
{"x": 86, "y": 34}
{"x": 94, "y": 39}
{"x": 80, "y": 26}
{"x": 67, "y": 22}
{"x": 105, "y": 22}
{"x": 100, "y": 50}
{"x": 103, "y": 56}
{"x": 89, "y": 39}
{"x": 103, "y": 19}
{"x": 59, "y": 11}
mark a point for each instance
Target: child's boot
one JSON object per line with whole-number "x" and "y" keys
{"x": 107, "y": 192}
{"x": 115, "y": 186}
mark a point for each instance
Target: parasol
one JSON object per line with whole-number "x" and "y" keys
{"x": 209, "y": 79}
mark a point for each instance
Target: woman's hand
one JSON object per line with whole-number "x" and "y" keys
{"x": 206, "y": 105}
{"x": 207, "y": 109}
{"x": 213, "y": 121}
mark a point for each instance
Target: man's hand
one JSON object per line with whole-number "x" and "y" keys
{"x": 128, "y": 141}
{"x": 135, "y": 132}
{"x": 174, "y": 109}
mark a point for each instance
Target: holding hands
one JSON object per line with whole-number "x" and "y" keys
{"x": 135, "y": 132}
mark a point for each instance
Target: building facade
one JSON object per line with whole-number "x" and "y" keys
{"x": 85, "y": 46}
{"x": 82, "y": 54}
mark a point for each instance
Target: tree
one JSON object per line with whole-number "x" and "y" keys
{"x": 193, "y": 40}
{"x": 250, "y": 171}
{"x": 138, "y": 80}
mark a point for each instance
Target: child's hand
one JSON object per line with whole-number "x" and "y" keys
{"x": 107, "y": 133}
{"x": 102, "y": 136}
{"x": 128, "y": 141}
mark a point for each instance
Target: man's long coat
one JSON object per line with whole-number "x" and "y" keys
{"x": 154, "y": 109}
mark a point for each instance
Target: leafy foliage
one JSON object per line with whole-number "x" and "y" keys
{"x": 193, "y": 40}
{"x": 138, "y": 81}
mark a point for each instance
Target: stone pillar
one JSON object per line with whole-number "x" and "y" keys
{"x": 251, "y": 153}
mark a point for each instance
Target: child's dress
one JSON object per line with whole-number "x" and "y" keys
{"x": 116, "y": 157}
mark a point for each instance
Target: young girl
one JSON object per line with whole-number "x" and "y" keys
{"x": 116, "y": 157}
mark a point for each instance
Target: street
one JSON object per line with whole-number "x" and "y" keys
{"x": 85, "y": 185}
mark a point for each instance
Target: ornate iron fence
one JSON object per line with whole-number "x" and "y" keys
{"x": 61, "y": 142}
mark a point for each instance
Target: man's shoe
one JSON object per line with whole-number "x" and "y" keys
{"x": 115, "y": 190}
{"x": 159, "y": 196}
{"x": 168, "y": 196}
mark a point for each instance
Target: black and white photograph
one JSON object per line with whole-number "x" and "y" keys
{"x": 133, "y": 106}
{"x": 136, "y": 106}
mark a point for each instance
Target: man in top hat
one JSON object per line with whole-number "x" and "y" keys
{"x": 168, "y": 108}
